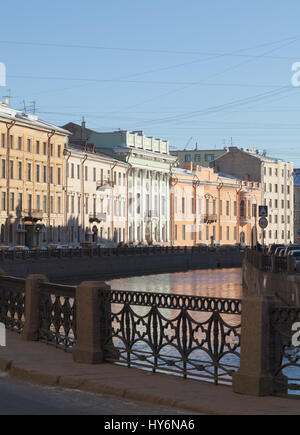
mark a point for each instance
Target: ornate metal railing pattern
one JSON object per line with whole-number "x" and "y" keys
{"x": 189, "y": 336}
{"x": 12, "y": 303}
{"x": 57, "y": 315}
{"x": 287, "y": 364}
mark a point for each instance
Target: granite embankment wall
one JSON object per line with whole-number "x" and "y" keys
{"x": 257, "y": 281}
{"x": 95, "y": 268}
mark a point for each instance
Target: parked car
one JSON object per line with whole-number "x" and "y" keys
{"x": 278, "y": 251}
{"x": 291, "y": 248}
{"x": 18, "y": 248}
{"x": 272, "y": 248}
{"x": 296, "y": 255}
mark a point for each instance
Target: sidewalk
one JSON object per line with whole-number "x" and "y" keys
{"x": 41, "y": 364}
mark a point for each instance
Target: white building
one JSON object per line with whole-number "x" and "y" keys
{"x": 149, "y": 160}
{"x": 96, "y": 197}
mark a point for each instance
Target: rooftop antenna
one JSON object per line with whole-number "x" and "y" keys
{"x": 8, "y": 97}
{"x": 188, "y": 142}
{"x": 31, "y": 108}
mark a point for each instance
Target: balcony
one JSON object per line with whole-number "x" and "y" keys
{"x": 104, "y": 184}
{"x": 97, "y": 217}
{"x": 32, "y": 215}
{"x": 151, "y": 214}
{"x": 210, "y": 218}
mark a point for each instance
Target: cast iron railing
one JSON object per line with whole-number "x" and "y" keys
{"x": 57, "y": 324}
{"x": 93, "y": 251}
{"x": 12, "y": 303}
{"x": 193, "y": 337}
{"x": 287, "y": 367}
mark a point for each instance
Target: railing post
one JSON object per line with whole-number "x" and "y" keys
{"x": 259, "y": 353}
{"x": 93, "y": 324}
{"x": 32, "y": 308}
{"x": 290, "y": 265}
{"x": 274, "y": 267}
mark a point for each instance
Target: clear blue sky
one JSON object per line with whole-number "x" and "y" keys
{"x": 210, "y": 70}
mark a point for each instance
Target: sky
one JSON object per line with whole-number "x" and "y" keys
{"x": 210, "y": 73}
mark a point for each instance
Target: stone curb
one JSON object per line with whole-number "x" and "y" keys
{"x": 96, "y": 387}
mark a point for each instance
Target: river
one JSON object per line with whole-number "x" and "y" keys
{"x": 218, "y": 283}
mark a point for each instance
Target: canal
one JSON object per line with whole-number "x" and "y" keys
{"x": 218, "y": 283}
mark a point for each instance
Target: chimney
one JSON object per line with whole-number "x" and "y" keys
{"x": 83, "y": 129}
{"x": 188, "y": 165}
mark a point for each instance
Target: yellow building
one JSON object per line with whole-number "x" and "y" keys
{"x": 31, "y": 179}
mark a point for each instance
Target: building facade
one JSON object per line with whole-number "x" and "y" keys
{"x": 212, "y": 208}
{"x": 276, "y": 179}
{"x": 197, "y": 156}
{"x": 149, "y": 162}
{"x": 96, "y": 197}
{"x": 32, "y": 178}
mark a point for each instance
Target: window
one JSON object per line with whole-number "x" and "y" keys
{"x": 234, "y": 208}
{"x": 29, "y": 202}
{"x": 187, "y": 158}
{"x": 78, "y": 172}
{"x": 59, "y": 176}
{"x": 72, "y": 170}
{"x": 175, "y": 232}
{"x": 183, "y": 205}
{"x": 37, "y": 173}
{"x": 193, "y": 206}
{"x": 227, "y": 208}
{"x": 51, "y": 204}
{"x": 44, "y": 148}
{"x": 28, "y": 171}
{"x": 58, "y": 204}
{"x": 94, "y": 174}
{"x": 3, "y": 140}
{"x": 242, "y": 208}
{"x": 51, "y": 175}
{"x": 58, "y": 150}
{"x": 11, "y": 169}
{"x": 19, "y": 143}
{"x": 197, "y": 158}
{"x": 37, "y": 147}
{"x": 3, "y": 201}
{"x": 20, "y": 201}
{"x": 11, "y": 141}
{"x": 209, "y": 157}
{"x": 86, "y": 173}
{"x": 183, "y": 232}
{"x": 45, "y": 174}
{"x": 29, "y": 145}
{"x": 72, "y": 204}
{"x": 3, "y": 168}
{"x": 12, "y": 201}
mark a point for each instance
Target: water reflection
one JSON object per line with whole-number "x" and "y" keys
{"x": 220, "y": 283}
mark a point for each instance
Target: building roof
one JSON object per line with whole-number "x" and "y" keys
{"x": 31, "y": 120}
